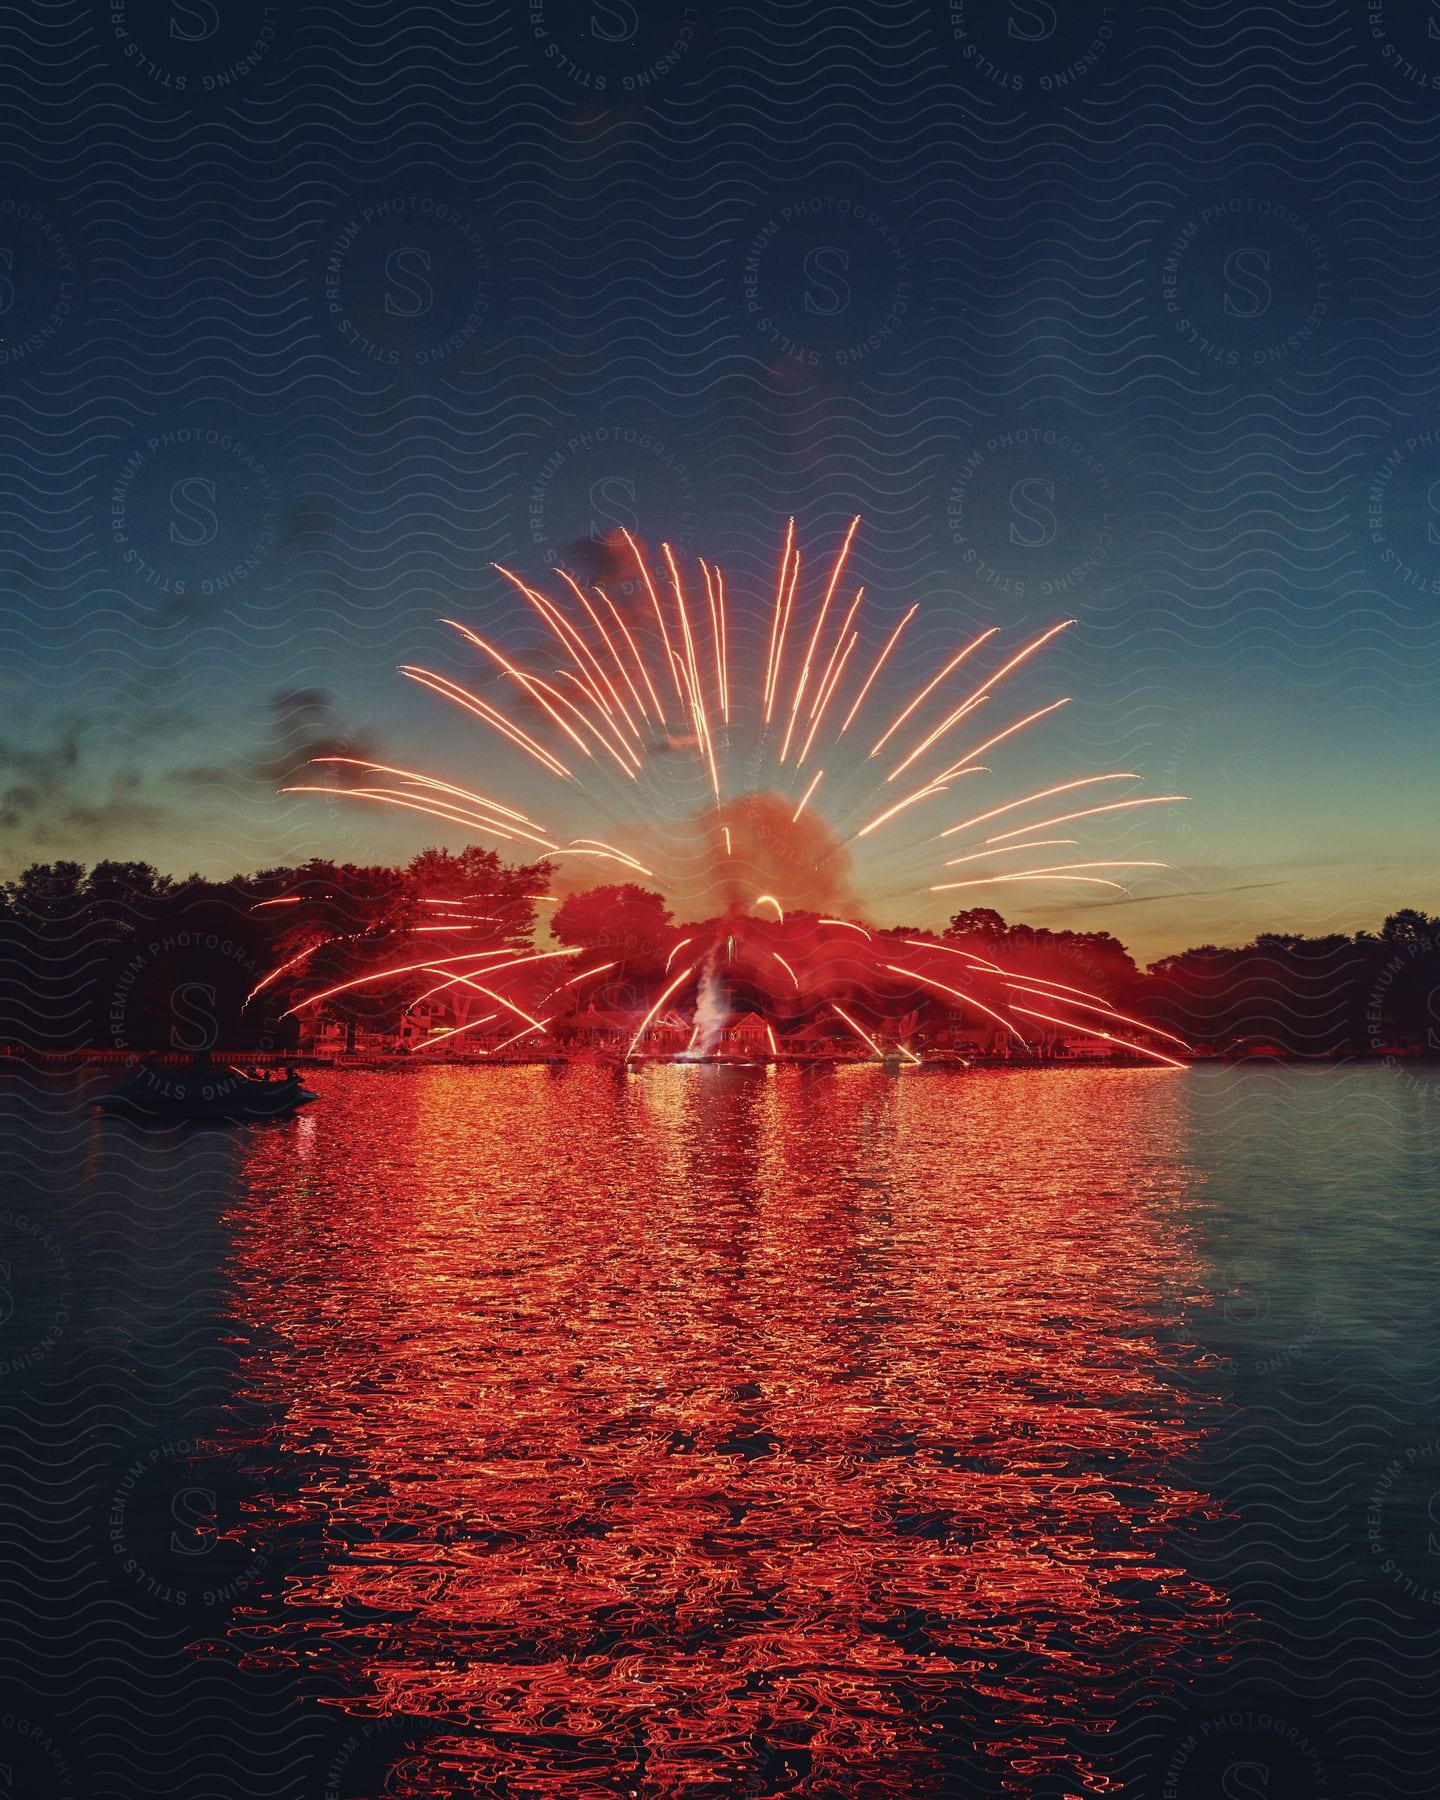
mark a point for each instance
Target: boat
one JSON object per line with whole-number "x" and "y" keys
{"x": 155, "y": 1096}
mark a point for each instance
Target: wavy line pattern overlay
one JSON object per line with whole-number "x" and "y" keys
{"x": 1113, "y": 310}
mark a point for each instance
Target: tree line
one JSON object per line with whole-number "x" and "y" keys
{"x": 120, "y": 956}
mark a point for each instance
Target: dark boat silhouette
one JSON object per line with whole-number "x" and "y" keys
{"x": 163, "y": 1097}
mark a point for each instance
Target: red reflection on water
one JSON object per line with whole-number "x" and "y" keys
{"x": 715, "y": 1432}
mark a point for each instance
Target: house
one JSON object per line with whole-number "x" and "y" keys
{"x": 667, "y": 1034}
{"x": 746, "y": 1035}
{"x": 599, "y": 1028}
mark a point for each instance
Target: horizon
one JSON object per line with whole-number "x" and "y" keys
{"x": 1372, "y": 928}
{"x": 1247, "y": 826}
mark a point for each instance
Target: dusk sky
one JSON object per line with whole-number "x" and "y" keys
{"x": 1094, "y": 311}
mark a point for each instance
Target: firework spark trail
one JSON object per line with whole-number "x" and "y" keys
{"x": 815, "y": 782}
{"x": 532, "y": 684}
{"x": 1020, "y": 725}
{"x": 828, "y": 685}
{"x": 1063, "y": 869}
{"x": 930, "y": 687}
{"x": 707, "y": 576}
{"x": 285, "y": 968}
{"x": 770, "y": 664}
{"x": 690, "y": 667}
{"x": 434, "y": 809}
{"x": 1012, "y": 980}
{"x": 430, "y": 965}
{"x": 640, "y": 663}
{"x": 567, "y": 637}
{"x": 949, "y": 887}
{"x": 501, "y": 999}
{"x": 472, "y": 703}
{"x": 595, "y": 661}
{"x": 673, "y": 988}
{"x": 581, "y": 682}
{"x": 899, "y": 1050}
{"x": 606, "y": 698}
{"x": 724, "y": 644}
{"x": 841, "y": 637}
{"x": 715, "y": 601}
{"x": 1088, "y": 812}
{"x": 967, "y": 706}
{"x": 332, "y": 938}
{"x": 967, "y": 999}
{"x": 616, "y": 856}
{"x": 969, "y": 955}
{"x": 535, "y": 1025}
{"x": 1044, "y": 794}
{"x": 609, "y": 850}
{"x": 987, "y": 855}
{"x": 935, "y": 787}
{"x": 878, "y": 664}
{"x": 697, "y": 695}
{"x": 982, "y": 693}
{"x": 993, "y": 680}
{"x": 784, "y": 628}
{"x": 439, "y": 1037}
{"x": 981, "y": 962}
{"x": 863, "y": 1035}
{"x": 820, "y": 617}
{"x": 598, "y": 726}
{"x": 617, "y": 750}
{"x": 439, "y": 988}
{"x": 455, "y": 980}
{"x": 605, "y": 638}
{"x": 585, "y": 974}
{"x": 670, "y": 659}
{"x": 1103, "y": 1007}
{"x": 1109, "y": 1036}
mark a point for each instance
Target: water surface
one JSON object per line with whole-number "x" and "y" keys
{"x": 709, "y": 1432}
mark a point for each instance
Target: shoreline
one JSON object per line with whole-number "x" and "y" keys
{"x": 63, "y": 1061}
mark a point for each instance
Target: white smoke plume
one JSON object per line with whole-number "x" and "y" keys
{"x": 712, "y": 1009}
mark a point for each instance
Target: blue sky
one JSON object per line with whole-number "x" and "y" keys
{"x": 1097, "y": 316}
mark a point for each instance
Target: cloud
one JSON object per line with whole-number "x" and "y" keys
{"x": 307, "y": 520}
{"x": 303, "y": 726}
{"x": 598, "y": 559}
{"x": 63, "y": 790}
{"x": 1179, "y": 896}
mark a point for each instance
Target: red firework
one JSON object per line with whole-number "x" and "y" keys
{"x": 621, "y": 696}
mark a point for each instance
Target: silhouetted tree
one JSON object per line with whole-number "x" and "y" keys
{"x": 633, "y": 923}
{"x": 1409, "y": 926}
{"x": 128, "y": 957}
{"x": 976, "y": 922}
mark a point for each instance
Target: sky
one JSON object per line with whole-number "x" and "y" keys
{"x": 1104, "y": 312}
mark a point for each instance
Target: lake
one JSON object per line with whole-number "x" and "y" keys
{"x": 711, "y": 1432}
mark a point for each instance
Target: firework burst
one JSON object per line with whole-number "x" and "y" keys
{"x": 748, "y": 781}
